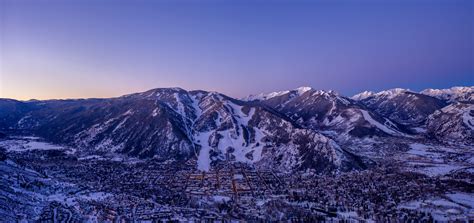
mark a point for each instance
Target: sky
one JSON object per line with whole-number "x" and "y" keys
{"x": 104, "y": 48}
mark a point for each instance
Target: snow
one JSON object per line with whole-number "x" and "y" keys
{"x": 231, "y": 138}
{"x": 33, "y": 145}
{"x": 61, "y": 198}
{"x": 260, "y": 202}
{"x": 302, "y": 90}
{"x": 91, "y": 157}
{"x": 204, "y": 160}
{"x": 94, "y": 196}
{"x": 220, "y": 199}
{"x": 470, "y": 160}
{"x": 93, "y": 131}
{"x": 128, "y": 112}
{"x": 467, "y": 118}
{"x": 155, "y": 112}
{"x": 437, "y": 169}
{"x": 419, "y": 130}
{"x": 109, "y": 145}
{"x": 263, "y": 96}
{"x": 71, "y": 200}
{"x": 369, "y": 118}
{"x": 452, "y": 108}
{"x": 445, "y": 208}
{"x": 433, "y": 160}
{"x": 462, "y": 198}
{"x": 120, "y": 124}
{"x": 350, "y": 214}
{"x": 88, "y": 135}
{"x": 392, "y": 92}
{"x": 180, "y": 105}
{"x": 335, "y": 121}
{"x": 451, "y": 94}
{"x": 362, "y": 95}
{"x": 411, "y": 205}
{"x": 27, "y": 145}
{"x": 257, "y": 151}
{"x": 237, "y": 141}
{"x": 30, "y": 137}
{"x": 184, "y": 116}
{"x": 238, "y": 177}
{"x": 387, "y": 94}
{"x": 195, "y": 105}
{"x": 343, "y": 100}
{"x": 419, "y": 149}
{"x": 243, "y": 118}
{"x": 23, "y": 120}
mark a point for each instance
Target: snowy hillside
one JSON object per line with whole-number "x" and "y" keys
{"x": 454, "y": 123}
{"x": 286, "y": 129}
{"x": 461, "y": 94}
{"x": 401, "y": 105}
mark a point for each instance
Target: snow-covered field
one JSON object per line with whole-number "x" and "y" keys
{"x": 22, "y": 144}
{"x": 445, "y": 208}
{"x": 434, "y": 170}
{"x": 436, "y": 160}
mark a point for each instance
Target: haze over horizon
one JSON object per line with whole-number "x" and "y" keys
{"x": 245, "y": 96}
{"x": 83, "y": 49}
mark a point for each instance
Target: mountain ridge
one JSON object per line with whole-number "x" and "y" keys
{"x": 302, "y": 128}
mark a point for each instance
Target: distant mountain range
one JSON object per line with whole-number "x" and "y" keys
{"x": 300, "y": 129}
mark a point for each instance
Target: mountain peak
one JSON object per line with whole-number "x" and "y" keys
{"x": 451, "y": 94}
{"x": 264, "y": 96}
{"x": 394, "y": 91}
{"x": 303, "y": 89}
{"x": 363, "y": 95}
{"x": 386, "y": 93}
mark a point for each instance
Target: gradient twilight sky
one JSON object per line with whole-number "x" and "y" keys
{"x": 104, "y": 48}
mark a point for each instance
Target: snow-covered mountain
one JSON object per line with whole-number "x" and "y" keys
{"x": 11, "y": 111}
{"x": 401, "y": 105}
{"x": 454, "y": 94}
{"x": 180, "y": 125}
{"x": 295, "y": 129}
{"x": 266, "y": 96}
{"x": 190, "y": 155}
{"x": 327, "y": 110}
{"x": 453, "y": 123}
{"x": 362, "y": 95}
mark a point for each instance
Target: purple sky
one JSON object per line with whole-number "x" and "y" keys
{"x": 83, "y": 48}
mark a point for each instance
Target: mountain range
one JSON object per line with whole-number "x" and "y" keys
{"x": 299, "y": 129}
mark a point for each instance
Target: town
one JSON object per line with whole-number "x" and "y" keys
{"x": 113, "y": 190}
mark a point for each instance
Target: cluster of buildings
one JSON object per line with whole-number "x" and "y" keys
{"x": 152, "y": 190}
